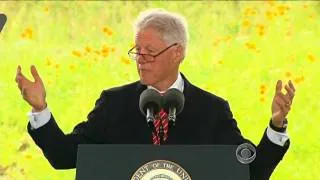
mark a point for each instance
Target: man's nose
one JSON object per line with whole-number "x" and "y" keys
{"x": 141, "y": 59}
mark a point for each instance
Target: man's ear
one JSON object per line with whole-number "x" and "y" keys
{"x": 179, "y": 53}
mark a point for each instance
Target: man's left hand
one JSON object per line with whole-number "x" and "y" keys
{"x": 281, "y": 103}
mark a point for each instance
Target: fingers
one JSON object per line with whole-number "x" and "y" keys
{"x": 35, "y": 74}
{"x": 291, "y": 86}
{"x": 19, "y": 75}
{"x": 283, "y": 106}
{"x": 290, "y": 92}
{"x": 20, "y": 85}
{"x": 286, "y": 100}
{"x": 288, "y": 97}
{"x": 283, "y": 100}
{"x": 21, "y": 80}
{"x": 279, "y": 86}
{"x": 18, "y": 70}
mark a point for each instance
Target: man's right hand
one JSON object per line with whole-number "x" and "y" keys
{"x": 32, "y": 92}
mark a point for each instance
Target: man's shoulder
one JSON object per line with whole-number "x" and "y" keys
{"x": 208, "y": 101}
{"x": 206, "y": 96}
{"x": 122, "y": 89}
{"x": 125, "y": 87}
{"x": 200, "y": 95}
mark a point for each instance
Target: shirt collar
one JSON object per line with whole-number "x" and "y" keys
{"x": 178, "y": 84}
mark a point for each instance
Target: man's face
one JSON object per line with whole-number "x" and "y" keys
{"x": 163, "y": 67}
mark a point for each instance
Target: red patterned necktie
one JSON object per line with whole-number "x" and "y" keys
{"x": 161, "y": 119}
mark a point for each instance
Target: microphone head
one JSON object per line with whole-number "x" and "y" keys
{"x": 3, "y": 19}
{"x": 174, "y": 98}
{"x": 150, "y": 98}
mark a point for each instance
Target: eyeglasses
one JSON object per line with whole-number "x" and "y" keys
{"x": 148, "y": 57}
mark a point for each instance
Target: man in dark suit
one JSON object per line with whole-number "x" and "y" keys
{"x": 161, "y": 39}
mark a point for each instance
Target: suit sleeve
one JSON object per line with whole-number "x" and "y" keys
{"x": 61, "y": 149}
{"x": 268, "y": 154}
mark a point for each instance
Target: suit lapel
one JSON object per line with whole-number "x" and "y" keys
{"x": 187, "y": 92}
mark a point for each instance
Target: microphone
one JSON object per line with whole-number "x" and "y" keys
{"x": 149, "y": 104}
{"x": 173, "y": 103}
{"x": 3, "y": 19}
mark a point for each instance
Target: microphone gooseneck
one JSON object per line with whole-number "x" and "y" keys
{"x": 150, "y": 116}
{"x": 172, "y": 114}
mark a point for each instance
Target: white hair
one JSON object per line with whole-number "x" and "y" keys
{"x": 171, "y": 26}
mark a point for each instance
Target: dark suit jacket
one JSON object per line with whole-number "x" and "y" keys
{"x": 116, "y": 119}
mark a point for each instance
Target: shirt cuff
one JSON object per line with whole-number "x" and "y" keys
{"x": 278, "y": 138}
{"x": 39, "y": 119}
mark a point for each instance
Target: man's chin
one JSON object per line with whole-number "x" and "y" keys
{"x": 146, "y": 81}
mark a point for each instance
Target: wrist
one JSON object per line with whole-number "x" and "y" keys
{"x": 39, "y": 109}
{"x": 279, "y": 127}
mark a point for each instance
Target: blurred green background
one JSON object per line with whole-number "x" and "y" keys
{"x": 237, "y": 50}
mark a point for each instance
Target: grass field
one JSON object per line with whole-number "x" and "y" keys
{"x": 236, "y": 50}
